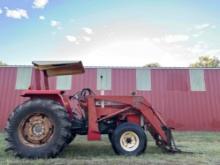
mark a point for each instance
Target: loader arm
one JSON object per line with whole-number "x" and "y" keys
{"x": 158, "y": 128}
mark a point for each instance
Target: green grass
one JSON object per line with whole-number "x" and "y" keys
{"x": 205, "y": 147}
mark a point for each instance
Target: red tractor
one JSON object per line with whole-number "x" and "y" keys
{"x": 46, "y": 123}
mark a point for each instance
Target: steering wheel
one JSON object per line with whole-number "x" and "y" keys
{"x": 82, "y": 95}
{"x": 87, "y": 92}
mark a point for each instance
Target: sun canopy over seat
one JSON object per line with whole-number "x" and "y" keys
{"x": 56, "y": 68}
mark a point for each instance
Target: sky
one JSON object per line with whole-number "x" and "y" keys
{"x": 109, "y": 32}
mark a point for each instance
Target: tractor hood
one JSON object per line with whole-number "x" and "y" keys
{"x": 57, "y": 68}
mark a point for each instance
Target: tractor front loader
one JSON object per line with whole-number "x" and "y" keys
{"x": 48, "y": 120}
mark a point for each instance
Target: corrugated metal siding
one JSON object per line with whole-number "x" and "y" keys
{"x": 9, "y": 97}
{"x": 170, "y": 94}
{"x": 171, "y": 97}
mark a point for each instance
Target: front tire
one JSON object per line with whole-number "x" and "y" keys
{"x": 129, "y": 139}
{"x": 38, "y": 129}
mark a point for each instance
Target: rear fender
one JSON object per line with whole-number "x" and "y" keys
{"x": 56, "y": 95}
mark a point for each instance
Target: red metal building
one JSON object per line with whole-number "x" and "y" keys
{"x": 188, "y": 98}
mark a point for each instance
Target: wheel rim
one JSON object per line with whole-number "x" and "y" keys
{"x": 129, "y": 141}
{"x": 36, "y": 130}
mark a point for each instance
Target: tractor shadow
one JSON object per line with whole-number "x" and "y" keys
{"x": 88, "y": 149}
{"x": 81, "y": 148}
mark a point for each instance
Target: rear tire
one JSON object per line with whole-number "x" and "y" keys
{"x": 110, "y": 137}
{"x": 38, "y": 129}
{"x": 70, "y": 138}
{"x": 129, "y": 139}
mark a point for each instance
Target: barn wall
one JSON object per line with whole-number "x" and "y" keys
{"x": 188, "y": 99}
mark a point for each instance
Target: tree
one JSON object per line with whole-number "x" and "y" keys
{"x": 206, "y": 61}
{"x": 152, "y": 65}
{"x": 2, "y": 63}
